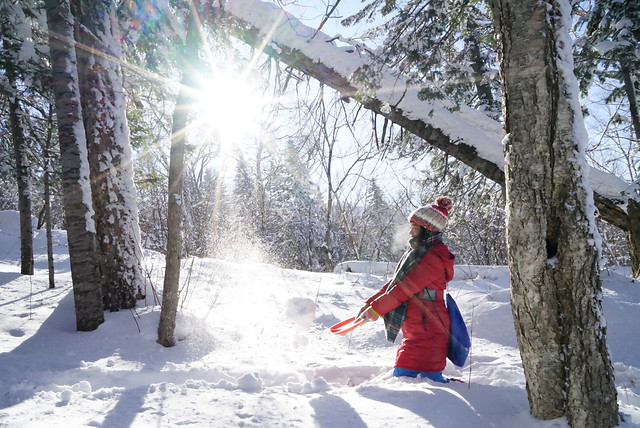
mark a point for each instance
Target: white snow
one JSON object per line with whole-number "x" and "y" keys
{"x": 254, "y": 349}
{"x": 376, "y": 268}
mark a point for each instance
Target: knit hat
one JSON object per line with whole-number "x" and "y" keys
{"x": 433, "y": 217}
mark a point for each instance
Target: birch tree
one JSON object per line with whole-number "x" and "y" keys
{"x": 78, "y": 208}
{"x": 551, "y": 234}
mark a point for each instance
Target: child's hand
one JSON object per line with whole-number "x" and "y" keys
{"x": 368, "y": 314}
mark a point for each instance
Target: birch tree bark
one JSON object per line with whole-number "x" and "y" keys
{"x": 110, "y": 157}
{"x": 78, "y": 209}
{"x": 551, "y": 233}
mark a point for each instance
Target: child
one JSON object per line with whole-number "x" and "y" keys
{"x": 413, "y": 300}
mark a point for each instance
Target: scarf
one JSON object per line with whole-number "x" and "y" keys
{"x": 420, "y": 245}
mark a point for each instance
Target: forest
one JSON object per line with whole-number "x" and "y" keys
{"x": 249, "y": 130}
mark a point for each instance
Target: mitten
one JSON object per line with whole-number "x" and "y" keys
{"x": 367, "y": 313}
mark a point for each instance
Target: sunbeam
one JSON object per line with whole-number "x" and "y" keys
{"x": 229, "y": 109}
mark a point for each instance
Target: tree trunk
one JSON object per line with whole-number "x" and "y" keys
{"x": 555, "y": 287}
{"x": 170, "y": 293}
{"x": 259, "y": 189}
{"x": 633, "y": 208}
{"x": 326, "y": 248}
{"x": 47, "y": 213}
{"x": 110, "y": 157}
{"x": 631, "y": 96}
{"x": 22, "y": 175}
{"x": 75, "y": 168}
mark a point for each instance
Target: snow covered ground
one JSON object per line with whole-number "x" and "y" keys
{"x": 255, "y": 350}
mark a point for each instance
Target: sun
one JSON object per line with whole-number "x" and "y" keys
{"x": 230, "y": 108}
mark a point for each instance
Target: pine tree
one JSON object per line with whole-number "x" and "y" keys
{"x": 445, "y": 47}
{"x": 379, "y": 220}
{"x": 16, "y": 71}
{"x": 8, "y": 185}
{"x": 294, "y": 214}
{"x": 203, "y": 202}
{"x": 244, "y": 197}
{"x": 607, "y": 51}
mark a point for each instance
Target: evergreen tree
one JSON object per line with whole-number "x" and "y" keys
{"x": 379, "y": 221}
{"x": 607, "y": 51}
{"x": 445, "y": 47}
{"x": 8, "y": 185}
{"x": 244, "y": 199}
{"x": 149, "y": 122}
{"x": 21, "y": 62}
{"x": 203, "y": 200}
{"x": 294, "y": 215}
{"x": 476, "y": 227}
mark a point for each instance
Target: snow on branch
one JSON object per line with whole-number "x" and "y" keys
{"x": 465, "y": 133}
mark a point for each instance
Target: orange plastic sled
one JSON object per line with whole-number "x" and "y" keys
{"x": 347, "y": 325}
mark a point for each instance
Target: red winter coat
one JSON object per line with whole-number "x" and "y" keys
{"x": 425, "y": 331}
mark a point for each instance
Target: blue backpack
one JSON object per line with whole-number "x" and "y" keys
{"x": 459, "y": 341}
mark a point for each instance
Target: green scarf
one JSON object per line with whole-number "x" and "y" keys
{"x": 420, "y": 245}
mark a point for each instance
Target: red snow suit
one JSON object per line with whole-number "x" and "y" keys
{"x": 425, "y": 331}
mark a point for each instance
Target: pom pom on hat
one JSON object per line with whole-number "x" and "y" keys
{"x": 433, "y": 217}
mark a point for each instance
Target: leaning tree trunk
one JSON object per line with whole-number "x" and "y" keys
{"x": 110, "y": 157}
{"x": 633, "y": 204}
{"x": 551, "y": 233}
{"x": 22, "y": 175}
{"x": 633, "y": 209}
{"x": 78, "y": 210}
{"x": 170, "y": 292}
